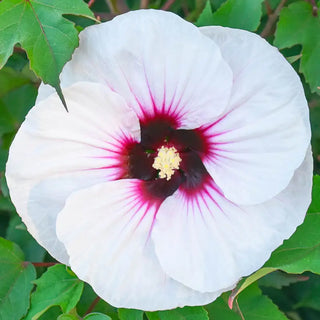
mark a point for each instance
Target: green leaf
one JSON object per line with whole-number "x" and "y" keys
{"x": 47, "y": 37}
{"x": 293, "y": 59}
{"x": 205, "y": 18}
{"x": 17, "y": 96}
{"x": 5, "y": 203}
{"x": 242, "y": 14}
{"x": 10, "y": 80}
{"x": 297, "y": 25}
{"x": 186, "y": 313}
{"x": 307, "y": 293}
{"x": 88, "y": 297}
{"x": 15, "y": 281}
{"x": 216, "y": 3}
{"x": 298, "y": 254}
{"x": 18, "y": 233}
{"x": 219, "y": 310}
{"x": 96, "y": 316}
{"x": 130, "y": 314}
{"x": 4, "y": 186}
{"x": 279, "y": 279}
{"x": 56, "y": 287}
{"x": 315, "y": 204}
{"x": 252, "y": 304}
{"x": 247, "y": 282}
{"x": 301, "y": 252}
{"x": 51, "y": 314}
{"x": 68, "y": 317}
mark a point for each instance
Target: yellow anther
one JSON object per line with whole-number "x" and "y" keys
{"x": 167, "y": 160}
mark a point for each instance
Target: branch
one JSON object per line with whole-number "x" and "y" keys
{"x": 272, "y": 19}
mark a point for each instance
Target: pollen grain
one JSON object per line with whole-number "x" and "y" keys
{"x": 167, "y": 160}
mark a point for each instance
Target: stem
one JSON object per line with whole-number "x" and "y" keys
{"x": 167, "y": 4}
{"x": 117, "y": 6}
{"x": 111, "y": 6}
{"x": 194, "y": 14}
{"x": 314, "y": 7}
{"x": 144, "y": 4}
{"x": 44, "y": 264}
{"x": 93, "y": 304}
{"x": 272, "y": 19}
{"x": 90, "y": 3}
{"x": 105, "y": 16}
{"x": 239, "y": 310}
{"x": 268, "y": 7}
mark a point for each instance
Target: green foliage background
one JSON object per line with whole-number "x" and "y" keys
{"x": 36, "y": 40}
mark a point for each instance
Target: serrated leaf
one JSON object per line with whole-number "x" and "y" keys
{"x": 255, "y": 306}
{"x": 307, "y": 293}
{"x": 252, "y": 304}
{"x": 301, "y": 252}
{"x": 39, "y": 26}
{"x": 186, "y": 313}
{"x": 130, "y": 314}
{"x": 241, "y": 14}
{"x": 56, "y": 287}
{"x": 96, "y": 316}
{"x": 279, "y": 279}
{"x": 298, "y": 25}
{"x": 15, "y": 281}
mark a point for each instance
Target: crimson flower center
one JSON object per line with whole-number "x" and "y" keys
{"x": 168, "y": 159}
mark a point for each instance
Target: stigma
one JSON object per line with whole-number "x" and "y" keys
{"x": 167, "y": 161}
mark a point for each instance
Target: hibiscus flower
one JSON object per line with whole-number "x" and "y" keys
{"x": 183, "y": 161}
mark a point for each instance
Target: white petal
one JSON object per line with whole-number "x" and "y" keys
{"x": 264, "y": 133}
{"x": 55, "y": 153}
{"x": 158, "y": 62}
{"x": 210, "y": 243}
{"x": 106, "y": 231}
{"x": 44, "y": 91}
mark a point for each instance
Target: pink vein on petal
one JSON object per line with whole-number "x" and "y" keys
{"x": 205, "y": 193}
{"x": 116, "y": 156}
{"x": 139, "y": 204}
